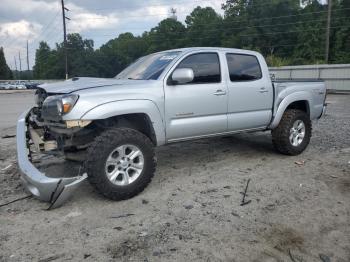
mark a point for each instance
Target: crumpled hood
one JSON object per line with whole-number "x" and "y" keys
{"x": 79, "y": 83}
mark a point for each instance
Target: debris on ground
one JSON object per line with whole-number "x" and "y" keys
{"x": 188, "y": 206}
{"x": 122, "y": 216}
{"x": 299, "y": 163}
{"x": 51, "y": 258}
{"x": 8, "y": 136}
{"x": 324, "y": 258}
{"x": 143, "y": 234}
{"x": 244, "y": 202}
{"x": 4, "y": 169}
{"x": 291, "y": 256}
{"x": 234, "y": 214}
{"x": 217, "y": 228}
{"x": 13, "y": 201}
{"x": 86, "y": 256}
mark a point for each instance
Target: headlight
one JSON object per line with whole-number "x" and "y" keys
{"x": 58, "y": 105}
{"x": 67, "y": 103}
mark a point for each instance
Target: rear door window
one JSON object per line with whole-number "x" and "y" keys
{"x": 243, "y": 67}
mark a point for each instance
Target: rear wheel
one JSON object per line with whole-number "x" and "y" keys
{"x": 292, "y": 135}
{"x": 120, "y": 163}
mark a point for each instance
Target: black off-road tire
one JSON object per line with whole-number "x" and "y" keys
{"x": 280, "y": 135}
{"x": 98, "y": 153}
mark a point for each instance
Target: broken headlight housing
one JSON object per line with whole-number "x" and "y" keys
{"x": 56, "y": 106}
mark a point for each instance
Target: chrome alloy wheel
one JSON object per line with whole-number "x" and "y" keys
{"x": 297, "y": 133}
{"x": 124, "y": 165}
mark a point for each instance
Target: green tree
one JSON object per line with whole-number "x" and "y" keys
{"x": 204, "y": 27}
{"x": 169, "y": 34}
{"x": 118, "y": 53}
{"x": 45, "y": 62}
{"x": 267, "y": 27}
{"x": 50, "y": 63}
{"x": 310, "y": 34}
{"x": 284, "y": 31}
{"x": 80, "y": 53}
{"x": 5, "y": 71}
{"x": 340, "y": 33}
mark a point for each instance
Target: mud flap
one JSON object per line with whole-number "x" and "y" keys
{"x": 64, "y": 191}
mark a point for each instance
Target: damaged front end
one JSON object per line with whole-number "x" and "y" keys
{"x": 53, "y": 190}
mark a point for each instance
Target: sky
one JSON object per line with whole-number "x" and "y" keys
{"x": 99, "y": 20}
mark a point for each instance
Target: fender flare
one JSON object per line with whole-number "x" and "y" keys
{"x": 131, "y": 106}
{"x": 289, "y": 99}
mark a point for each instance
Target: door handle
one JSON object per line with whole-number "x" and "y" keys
{"x": 220, "y": 93}
{"x": 263, "y": 90}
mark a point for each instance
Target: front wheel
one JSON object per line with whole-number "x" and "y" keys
{"x": 293, "y": 134}
{"x": 120, "y": 163}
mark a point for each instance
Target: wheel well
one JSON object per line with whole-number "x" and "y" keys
{"x": 139, "y": 121}
{"x": 301, "y": 105}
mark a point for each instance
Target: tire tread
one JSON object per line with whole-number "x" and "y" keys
{"x": 95, "y": 154}
{"x": 280, "y": 135}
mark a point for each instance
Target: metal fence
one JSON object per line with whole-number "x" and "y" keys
{"x": 336, "y": 77}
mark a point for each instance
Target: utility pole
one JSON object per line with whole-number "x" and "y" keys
{"x": 20, "y": 64}
{"x": 328, "y": 30}
{"x": 27, "y": 58}
{"x": 15, "y": 66}
{"x": 64, "y": 9}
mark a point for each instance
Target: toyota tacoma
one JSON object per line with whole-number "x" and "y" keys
{"x": 113, "y": 125}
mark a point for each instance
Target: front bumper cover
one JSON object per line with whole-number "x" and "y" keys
{"x": 53, "y": 190}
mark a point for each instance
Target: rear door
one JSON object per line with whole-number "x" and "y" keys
{"x": 198, "y": 108}
{"x": 250, "y": 93}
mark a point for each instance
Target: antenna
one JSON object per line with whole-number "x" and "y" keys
{"x": 173, "y": 13}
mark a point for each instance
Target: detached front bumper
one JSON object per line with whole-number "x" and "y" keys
{"x": 53, "y": 190}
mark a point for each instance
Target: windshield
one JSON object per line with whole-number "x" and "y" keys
{"x": 148, "y": 67}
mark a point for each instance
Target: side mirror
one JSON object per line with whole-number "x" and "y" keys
{"x": 182, "y": 76}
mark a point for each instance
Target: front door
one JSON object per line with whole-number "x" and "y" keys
{"x": 198, "y": 108}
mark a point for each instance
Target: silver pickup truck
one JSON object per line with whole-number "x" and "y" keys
{"x": 114, "y": 124}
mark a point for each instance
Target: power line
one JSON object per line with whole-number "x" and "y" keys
{"x": 257, "y": 19}
{"x": 237, "y": 28}
{"x": 225, "y": 29}
{"x": 47, "y": 35}
{"x": 261, "y": 19}
{"x": 52, "y": 22}
{"x": 18, "y": 39}
{"x": 171, "y": 4}
{"x": 155, "y": 5}
{"x": 165, "y": 38}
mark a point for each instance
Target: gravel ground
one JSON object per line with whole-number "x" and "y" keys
{"x": 299, "y": 208}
